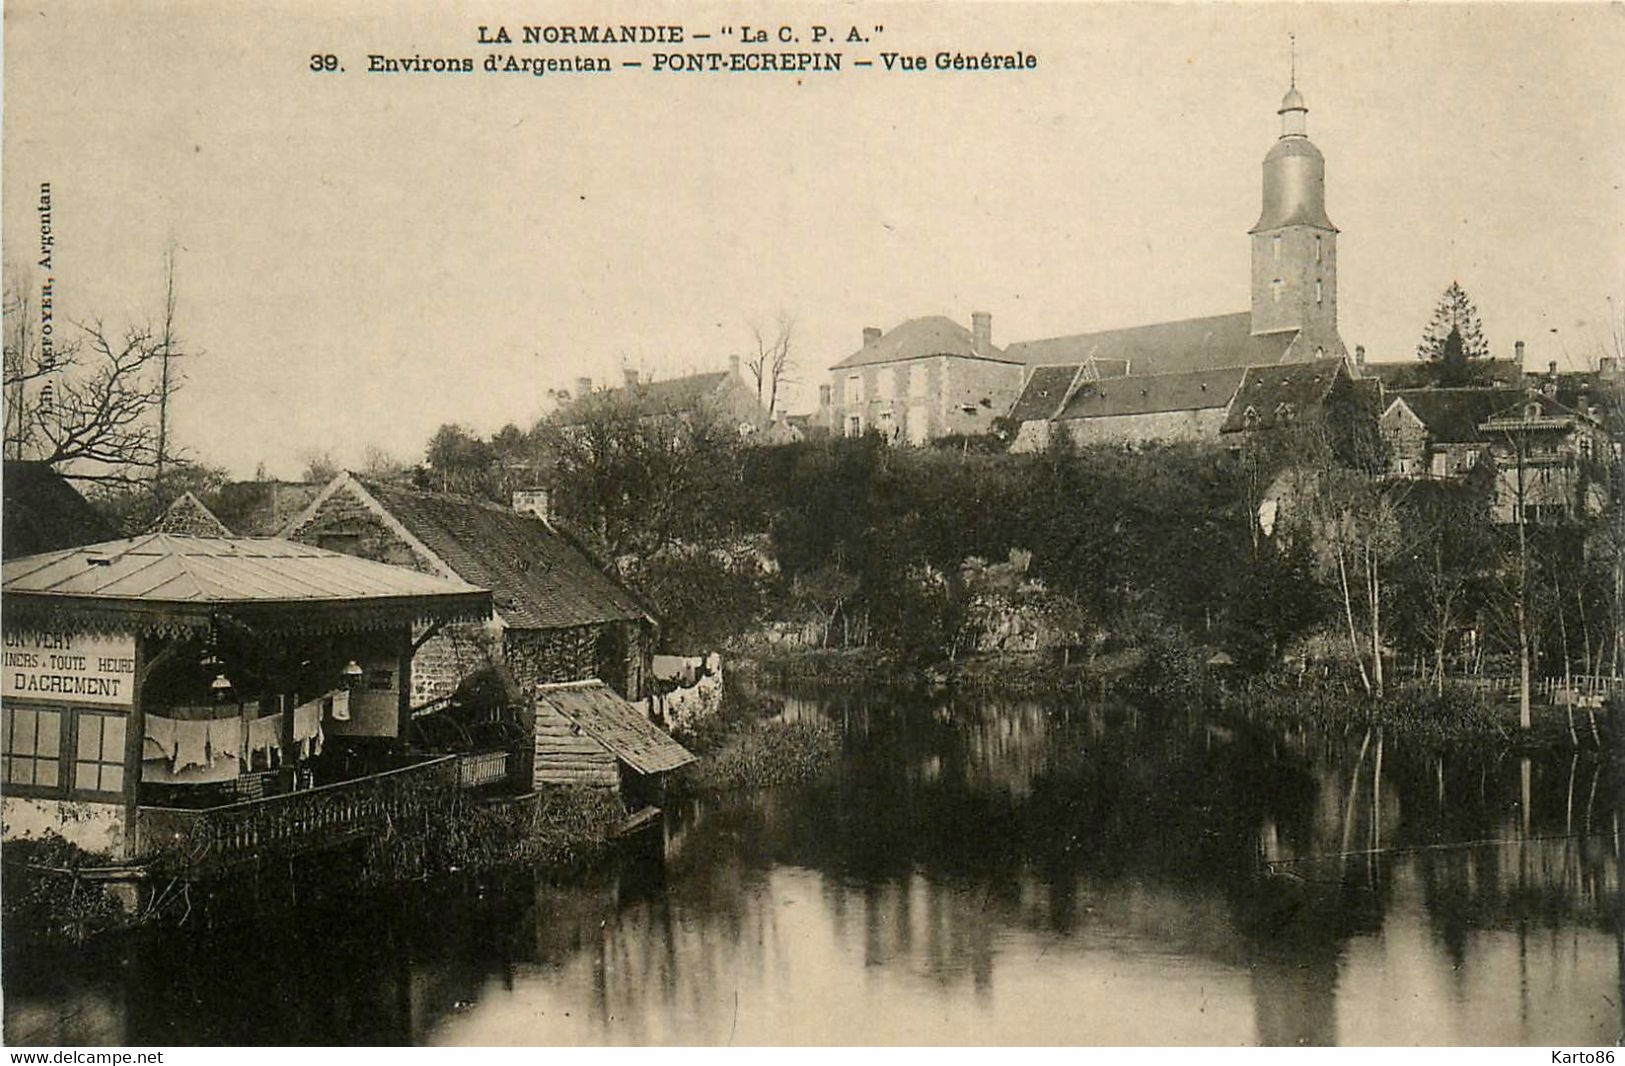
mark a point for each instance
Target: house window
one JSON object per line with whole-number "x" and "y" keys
{"x": 854, "y": 426}
{"x": 30, "y": 746}
{"x": 98, "y": 764}
{"x": 854, "y": 388}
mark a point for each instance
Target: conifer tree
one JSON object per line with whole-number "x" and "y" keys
{"x": 1455, "y": 312}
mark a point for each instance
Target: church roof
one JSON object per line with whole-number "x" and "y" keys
{"x": 1163, "y": 347}
{"x": 1276, "y": 394}
{"x": 1190, "y": 390}
{"x": 921, "y": 338}
{"x": 1045, "y": 389}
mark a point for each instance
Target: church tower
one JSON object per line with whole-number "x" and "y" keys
{"x": 1294, "y": 243}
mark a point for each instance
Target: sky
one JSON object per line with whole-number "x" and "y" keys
{"x": 363, "y": 257}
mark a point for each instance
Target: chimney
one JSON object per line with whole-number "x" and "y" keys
{"x": 1551, "y": 368}
{"x": 583, "y": 387}
{"x": 733, "y": 366}
{"x": 981, "y": 328}
{"x": 532, "y": 502}
{"x": 870, "y": 335}
{"x": 1517, "y": 353}
{"x": 1359, "y": 355}
{"x": 631, "y": 376}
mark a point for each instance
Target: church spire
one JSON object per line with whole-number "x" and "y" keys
{"x": 1294, "y": 113}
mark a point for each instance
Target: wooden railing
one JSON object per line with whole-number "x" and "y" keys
{"x": 294, "y": 822}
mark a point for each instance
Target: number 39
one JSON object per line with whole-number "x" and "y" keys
{"x": 324, "y": 63}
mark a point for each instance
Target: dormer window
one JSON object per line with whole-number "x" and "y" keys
{"x": 1250, "y": 416}
{"x": 1531, "y": 412}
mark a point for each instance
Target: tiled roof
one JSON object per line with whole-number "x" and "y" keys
{"x": 1195, "y": 390}
{"x": 620, "y": 726}
{"x": 1452, "y": 416}
{"x": 1163, "y": 347}
{"x": 920, "y": 338}
{"x": 1416, "y": 374}
{"x": 538, "y": 578}
{"x": 188, "y": 517}
{"x": 166, "y": 568}
{"x": 1045, "y": 389}
{"x": 44, "y": 512}
{"x": 1281, "y": 392}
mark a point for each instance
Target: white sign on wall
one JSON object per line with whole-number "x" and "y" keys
{"x": 68, "y": 667}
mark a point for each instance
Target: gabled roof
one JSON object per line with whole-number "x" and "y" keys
{"x": 538, "y": 577}
{"x": 620, "y": 726}
{"x": 44, "y": 512}
{"x": 1550, "y": 414}
{"x": 1417, "y": 374}
{"x": 187, "y": 516}
{"x": 1045, "y": 389}
{"x": 184, "y": 580}
{"x": 1196, "y": 390}
{"x": 1280, "y": 393}
{"x": 1164, "y": 347}
{"x": 921, "y": 338}
{"x": 1452, "y": 416}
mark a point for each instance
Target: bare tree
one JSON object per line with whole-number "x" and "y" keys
{"x": 772, "y": 360}
{"x": 95, "y": 404}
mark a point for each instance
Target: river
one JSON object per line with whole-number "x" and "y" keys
{"x": 979, "y": 872}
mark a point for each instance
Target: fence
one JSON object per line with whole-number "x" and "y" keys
{"x": 296, "y": 821}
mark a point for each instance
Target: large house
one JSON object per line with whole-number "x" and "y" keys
{"x": 927, "y": 378}
{"x": 1550, "y": 461}
{"x": 931, "y": 376}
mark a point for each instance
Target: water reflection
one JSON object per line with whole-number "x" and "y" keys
{"x": 973, "y": 873}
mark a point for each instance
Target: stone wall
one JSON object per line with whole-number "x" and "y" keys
{"x": 95, "y": 827}
{"x": 345, "y": 524}
{"x": 1161, "y": 427}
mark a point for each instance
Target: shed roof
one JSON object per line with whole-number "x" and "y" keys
{"x": 538, "y": 577}
{"x": 1281, "y": 393}
{"x": 44, "y": 512}
{"x": 1046, "y": 388}
{"x": 1164, "y": 347}
{"x": 179, "y": 582}
{"x": 620, "y": 726}
{"x": 1195, "y": 390}
{"x": 921, "y": 338}
{"x": 1453, "y": 416}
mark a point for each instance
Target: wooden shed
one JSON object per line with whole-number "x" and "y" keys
{"x": 586, "y": 734}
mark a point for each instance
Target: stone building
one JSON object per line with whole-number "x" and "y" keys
{"x": 1434, "y": 433}
{"x": 927, "y": 378}
{"x": 557, "y": 616}
{"x": 1551, "y": 461}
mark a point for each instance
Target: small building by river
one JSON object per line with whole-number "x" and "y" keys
{"x": 213, "y": 699}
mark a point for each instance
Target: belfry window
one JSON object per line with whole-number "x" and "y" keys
{"x": 1276, "y": 241}
{"x": 1275, "y": 290}
{"x": 1317, "y": 249}
{"x": 1320, "y": 292}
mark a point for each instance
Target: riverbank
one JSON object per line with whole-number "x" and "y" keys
{"x": 747, "y": 745}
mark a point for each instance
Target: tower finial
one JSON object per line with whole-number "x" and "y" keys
{"x": 1292, "y": 47}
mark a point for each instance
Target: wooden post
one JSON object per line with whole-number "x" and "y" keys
{"x": 403, "y": 684}
{"x": 135, "y": 728}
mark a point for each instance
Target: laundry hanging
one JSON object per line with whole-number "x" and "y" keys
{"x": 225, "y": 738}
{"x": 191, "y": 745}
{"x": 158, "y": 741}
{"x": 265, "y": 734}
{"x": 307, "y": 728}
